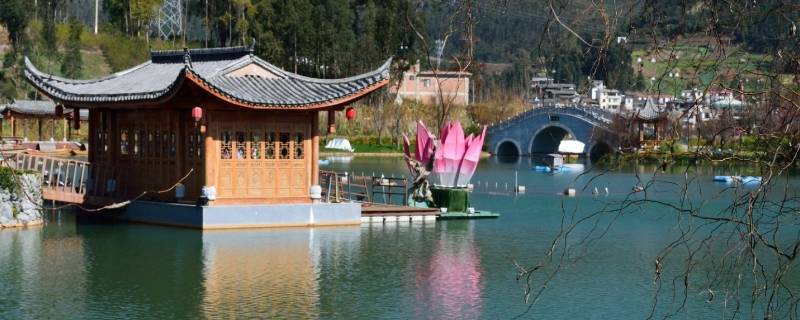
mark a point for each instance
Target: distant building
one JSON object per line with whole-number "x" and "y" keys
{"x": 425, "y": 86}
{"x": 606, "y": 99}
{"x": 545, "y": 91}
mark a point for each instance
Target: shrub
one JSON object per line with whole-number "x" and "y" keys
{"x": 7, "y": 181}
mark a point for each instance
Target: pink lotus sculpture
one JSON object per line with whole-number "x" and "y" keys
{"x": 452, "y": 160}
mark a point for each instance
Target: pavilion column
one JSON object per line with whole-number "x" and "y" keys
{"x": 209, "y": 153}
{"x": 65, "y": 128}
{"x": 76, "y": 118}
{"x": 53, "y": 128}
{"x": 39, "y": 125}
{"x": 641, "y": 132}
{"x": 331, "y": 121}
{"x": 13, "y": 124}
{"x": 315, "y": 148}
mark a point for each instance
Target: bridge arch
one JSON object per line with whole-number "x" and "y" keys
{"x": 539, "y": 130}
{"x": 547, "y": 138}
{"x": 599, "y": 149}
{"x": 507, "y": 147}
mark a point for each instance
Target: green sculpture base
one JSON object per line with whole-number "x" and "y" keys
{"x": 456, "y": 201}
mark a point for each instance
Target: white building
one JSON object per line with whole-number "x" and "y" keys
{"x": 607, "y": 99}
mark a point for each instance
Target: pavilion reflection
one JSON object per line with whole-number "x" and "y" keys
{"x": 43, "y": 266}
{"x": 268, "y": 273}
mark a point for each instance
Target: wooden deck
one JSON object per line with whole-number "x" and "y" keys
{"x": 63, "y": 179}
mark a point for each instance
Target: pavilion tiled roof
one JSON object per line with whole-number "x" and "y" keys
{"x": 40, "y": 108}
{"x": 210, "y": 68}
{"x": 651, "y": 112}
{"x": 31, "y": 107}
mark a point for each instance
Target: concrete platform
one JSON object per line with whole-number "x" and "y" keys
{"x": 243, "y": 216}
{"x": 383, "y": 213}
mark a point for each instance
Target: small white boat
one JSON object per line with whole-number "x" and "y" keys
{"x": 339, "y": 144}
{"x": 571, "y": 147}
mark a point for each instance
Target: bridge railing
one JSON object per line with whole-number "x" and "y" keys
{"x": 63, "y": 179}
{"x": 591, "y": 114}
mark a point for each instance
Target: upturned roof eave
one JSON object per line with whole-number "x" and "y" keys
{"x": 41, "y": 81}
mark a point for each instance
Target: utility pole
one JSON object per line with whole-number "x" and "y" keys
{"x": 96, "y": 14}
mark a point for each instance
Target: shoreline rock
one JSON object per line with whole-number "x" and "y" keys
{"x": 21, "y": 207}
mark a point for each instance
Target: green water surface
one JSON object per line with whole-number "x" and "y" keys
{"x": 457, "y": 269}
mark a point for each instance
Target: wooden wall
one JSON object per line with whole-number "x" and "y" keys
{"x": 260, "y": 157}
{"x": 252, "y": 157}
{"x": 145, "y": 150}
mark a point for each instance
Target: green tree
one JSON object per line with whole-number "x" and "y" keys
{"x": 267, "y": 44}
{"x": 294, "y": 31}
{"x": 13, "y": 16}
{"x": 73, "y": 63}
{"x": 49, "y": 41}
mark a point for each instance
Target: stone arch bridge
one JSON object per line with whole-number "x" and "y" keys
{"x": 540, "y": 130}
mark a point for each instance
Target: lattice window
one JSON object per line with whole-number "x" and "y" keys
{"x": 241, "y": 151}
{"x": 104, "y": 141}
{"x": 299, "y": 146}
{"x": 173, "y": 145}
{"x": 99, "y": 143}
{"x": 166, "y": 144}
{"x": 269, "y": 144}
{"x": 199, "y": 148}
{"x": 149, "y": 144}
{"x": 255, "y": 146}
{"x": 137, "y": 143}
{"x": 226, "y": 149}
{"x": 157, "y": 144}
{"x": 283, "y": 145}
{"x": 123, "y": 142}
{"x": 191, "y": 143}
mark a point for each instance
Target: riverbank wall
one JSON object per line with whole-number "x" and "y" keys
{"x": 20, "y": 199}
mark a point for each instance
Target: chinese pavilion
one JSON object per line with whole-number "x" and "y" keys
{"x": 244, "y": 130}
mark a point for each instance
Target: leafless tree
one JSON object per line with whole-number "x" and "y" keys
{"x": 739, "y": 247}
{"x": 460, "y": 24}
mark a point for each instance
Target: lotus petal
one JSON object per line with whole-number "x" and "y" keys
{"x": 424, "y": 144}
{"x": 406, "y": 146}
{"x": 471, "y": 158}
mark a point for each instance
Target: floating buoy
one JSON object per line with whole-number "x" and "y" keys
{"x": 520, "y": 189}
{"x": 569, "y": 192}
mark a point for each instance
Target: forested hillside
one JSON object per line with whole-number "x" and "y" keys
{"x": 631, "y": 45}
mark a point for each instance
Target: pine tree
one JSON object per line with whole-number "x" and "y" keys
{"x": 49, "y": 37}
{"x": 73, "y": 63}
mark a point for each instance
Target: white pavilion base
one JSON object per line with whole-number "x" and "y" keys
{"x": 243, "y": 216}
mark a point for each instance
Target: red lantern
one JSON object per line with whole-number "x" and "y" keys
{"x": 197, "y": 114}
{"x": 350, "y": 113}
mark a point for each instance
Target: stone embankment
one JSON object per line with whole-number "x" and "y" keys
{"x": 20, "y": 199}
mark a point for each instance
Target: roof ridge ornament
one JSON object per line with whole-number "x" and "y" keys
{"x": 187, "y": 58}
{"x": 252, "y": 47}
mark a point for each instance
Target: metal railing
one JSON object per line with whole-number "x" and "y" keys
{"x": 589, "y": 114}
{"x": 341, "y": 187}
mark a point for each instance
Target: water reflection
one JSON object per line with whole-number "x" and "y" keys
{"x": 268, "y": 273}
{"x": 42, "y": 272}
{"x": 449, "y": 285}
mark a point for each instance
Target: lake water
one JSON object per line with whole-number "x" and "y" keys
{"x": 436, "y": 270}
